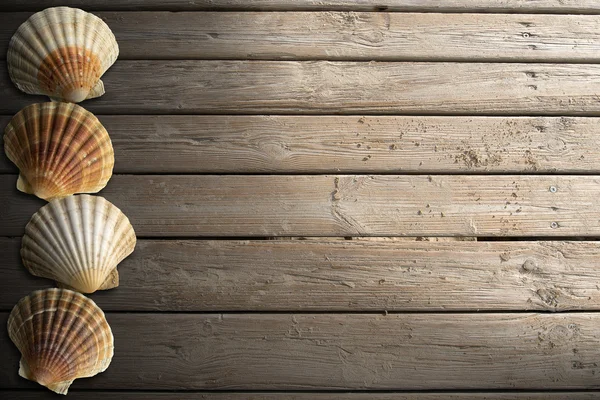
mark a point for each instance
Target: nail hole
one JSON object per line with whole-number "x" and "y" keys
{"x": 554, "y": 225}
{"x": 553, "y": 189}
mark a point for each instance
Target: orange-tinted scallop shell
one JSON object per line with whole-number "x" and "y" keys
{"x": 62, "y": 52}
{"x": 60, "y": 149}
{"x": 62, "y": 335}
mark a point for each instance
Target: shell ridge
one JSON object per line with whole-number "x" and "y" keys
{"x": 102, "y": 228}
{"x": 124, "y": 247}
{"x": 77, "y": 338}
{"x": 40, "y": 226}
{"x": 32, "y": 143}
{"x": 68, "y": 315}
{"x": 64, "y": 119}
{"x": 107, "y": 226}
{"x": 48, "y": 124}
{"x": 120, "y": 249}
{"x": 47, "y": 326}
{"x": 58, "y": 229}
{"x": 76, "y": 153}
{"x": 67, "y": 48}
{"x": 73, "y": 206}
{"x": 48, "y": 42}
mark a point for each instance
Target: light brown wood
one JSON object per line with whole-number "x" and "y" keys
{"x": 331, "y": 144}
{"x": 327, "y": 275}
{"x": 99, "y": 395}
{"x": 325, "y": 87}
{"x": 523, "y": 6}
{"x": 346, "y": 36}
{"x": 343, "y": 351}
{"x": 345, "y": 205}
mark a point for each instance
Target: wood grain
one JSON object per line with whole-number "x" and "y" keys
{"x": 325, "y": 87}
{"x": 345, "y": 205}
{"x": 521, "y": 6}
{"x": 346, "y": 36}
{"x": 338, "y": 275}
{"x": 99, "y": 395}
{"x": 333, "y": 144}
{"x": 343, "y": 352}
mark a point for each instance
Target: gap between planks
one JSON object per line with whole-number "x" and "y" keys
{"x": 75, "y": 394}
{"x": 450, "y": 6}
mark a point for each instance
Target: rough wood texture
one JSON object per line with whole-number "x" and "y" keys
{"x": 345, "y": 205}
{"x": 99, "y": 395}
{"x": 346, "y": 36}
{"x": 341, "y": 351}
{"x": 301, "y": 144}
{"x": 521, "y": 6}
{"x": 325, "y": 87}
{"x": 326, "y": 275}
{"x": 341, "y": 205}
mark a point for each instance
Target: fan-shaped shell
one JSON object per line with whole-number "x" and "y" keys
{"x": 60, "y": 149}
{"x": 62, "y": 52}
{"x": 78, "y": 242}
{"x": 62, "y": 335}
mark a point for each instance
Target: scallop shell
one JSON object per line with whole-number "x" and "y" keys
{"x": 62, "y": 335}
{"x": 62, "y": 52}
{"x": 78, "y": 241}
{"x": 60, "y": 149}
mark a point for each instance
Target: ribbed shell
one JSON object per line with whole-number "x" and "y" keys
{"x": 62, "y": 52}
{"x": 62, "y": 335}
{"x": 60, "y": 149}
{"x": 78, "y": 241}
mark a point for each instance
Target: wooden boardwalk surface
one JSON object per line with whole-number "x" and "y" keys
{"x": 335, "y": 199}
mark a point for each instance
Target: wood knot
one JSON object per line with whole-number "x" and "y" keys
{"x": 530, "y": 266}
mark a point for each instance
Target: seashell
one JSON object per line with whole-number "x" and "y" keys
{"x": 78, "y": 241}
{"x": 62, "y": 52}
{"x": 62, "y": 335}
{"x": 60, "y": 149}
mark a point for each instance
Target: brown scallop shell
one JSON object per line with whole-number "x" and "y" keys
{"x": 60, "y": 149}
{"x": 62, "y": 335}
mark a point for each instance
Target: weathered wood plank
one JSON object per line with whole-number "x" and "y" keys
{"x": 345, "y": 205}
{"x": 326, "y": 275}
{"x": 99, "y": 395}
{"x": 342, "y": 351}
{"x": 346, "y": 36}
{"x": 331, "y": 144}
{"x": 523, "y": 6}
{"x": 325, "y": 87}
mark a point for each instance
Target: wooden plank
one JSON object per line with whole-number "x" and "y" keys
{"x": 334, "y": 275}
{"x": 99, "y": 395}
{"x": 522, "y": 6}
{"x": 334, "y": 144}
{"x": 346, "y": 36}
{"x": 343, "y": 352}
{"x": 325, "y": 87}
{"x": 344, "y": 205}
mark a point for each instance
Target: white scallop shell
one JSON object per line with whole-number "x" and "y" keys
{"x": 78, "y": 241}
{"x": 62, "y": 52}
